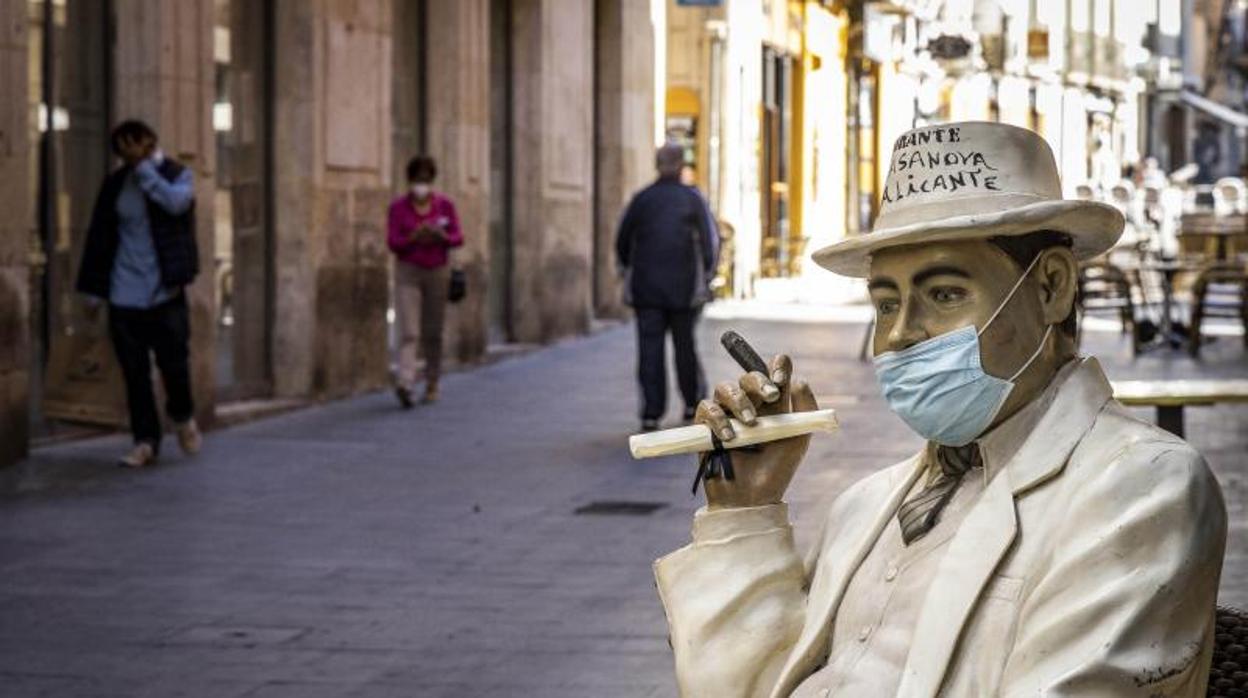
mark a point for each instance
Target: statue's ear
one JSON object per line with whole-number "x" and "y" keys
{"x": 1058, "y": 275}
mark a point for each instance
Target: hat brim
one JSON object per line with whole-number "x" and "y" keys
{"x": 1094, "y": 227}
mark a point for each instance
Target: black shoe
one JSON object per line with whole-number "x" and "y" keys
{"x": 690, "y": 414}
{"x": 649, "y": 425}
{"x": 404, "y": 394}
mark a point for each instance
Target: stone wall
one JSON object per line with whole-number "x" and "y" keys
{"x": 553, "y": 141}
{"x": 336, "y": 145}
{"x": 459, "y": 139}
{"x": 624, "y": 147}
{"x": 17, "y": 203}
{"x": 332, "y": 187}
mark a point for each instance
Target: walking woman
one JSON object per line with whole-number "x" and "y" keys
{"x": 421, "y": 229}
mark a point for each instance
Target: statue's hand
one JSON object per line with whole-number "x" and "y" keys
{"x": 764, "y": 474}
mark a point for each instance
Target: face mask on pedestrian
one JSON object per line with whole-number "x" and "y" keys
{"x": 939, "y": 387}
{"x": 421, "y": 190}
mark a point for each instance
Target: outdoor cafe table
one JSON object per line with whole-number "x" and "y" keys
{"x": 1171, "y": 396}
{"x": 1167, "y": 332}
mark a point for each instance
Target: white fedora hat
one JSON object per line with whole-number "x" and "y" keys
{"x": 970, "y": 181}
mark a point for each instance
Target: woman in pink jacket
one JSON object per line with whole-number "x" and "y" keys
{"x": 422, "y": 226}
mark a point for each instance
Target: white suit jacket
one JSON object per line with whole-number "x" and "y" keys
{"x": 1088, "y": 567}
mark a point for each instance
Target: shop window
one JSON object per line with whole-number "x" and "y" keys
{"x": 70, "y": 70}
{"x": 780, "y": 252}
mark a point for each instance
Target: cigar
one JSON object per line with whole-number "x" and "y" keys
{"x": 741, "y": 352}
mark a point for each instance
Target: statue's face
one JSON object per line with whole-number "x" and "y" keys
{"x": 923, "y": 291}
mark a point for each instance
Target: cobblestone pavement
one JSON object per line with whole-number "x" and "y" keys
{"x": 356, "y": 550}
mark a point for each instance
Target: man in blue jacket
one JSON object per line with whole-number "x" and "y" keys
{"x": 139, "y": 254}
{"x": 666, "y": 246}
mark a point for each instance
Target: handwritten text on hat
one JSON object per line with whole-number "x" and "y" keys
{"x": 919, "y": 170}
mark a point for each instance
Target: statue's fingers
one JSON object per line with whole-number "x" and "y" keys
{"x": 780, "y": 370}
{"x": 803, "y": 398}
{"x": 759, "y": 388}
{"x": 732, "y": 398}
{"x": 715, "y": 418}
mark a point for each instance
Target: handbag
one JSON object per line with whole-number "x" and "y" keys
{"x": 458, "y": 286}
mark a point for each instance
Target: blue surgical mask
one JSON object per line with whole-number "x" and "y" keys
{"x": 939, "y": 387}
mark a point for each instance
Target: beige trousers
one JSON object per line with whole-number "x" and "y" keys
{"x": 420, "y": 309}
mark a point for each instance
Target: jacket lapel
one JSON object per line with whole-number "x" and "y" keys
{"x": 814, "y": 636}
{"x": 1074, "y": 408}
{"x": 989, "y": 529}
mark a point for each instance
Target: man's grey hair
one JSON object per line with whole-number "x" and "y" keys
{"x": 669, "y": 158}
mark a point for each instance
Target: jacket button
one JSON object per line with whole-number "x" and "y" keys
{"x": 825, "y": 693}
{"x": 891, "y": 573}
{"x": 864, "y": 633}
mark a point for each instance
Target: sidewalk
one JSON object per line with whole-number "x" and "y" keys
{"x": 354, "y": 549}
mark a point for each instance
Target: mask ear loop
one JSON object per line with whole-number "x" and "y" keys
{"x": 1047, "y": 330}
{"x": 1009, "y": 295}
{"x": 1043, "y": 340}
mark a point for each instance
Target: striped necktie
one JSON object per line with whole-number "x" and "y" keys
{"x": 920, "y": 514}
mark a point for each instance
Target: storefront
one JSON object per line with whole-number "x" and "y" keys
{"x": 74, "y": 374}
{"x": 73, "y": 93}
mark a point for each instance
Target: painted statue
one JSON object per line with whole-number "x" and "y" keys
{"x": 1044, "y": 542}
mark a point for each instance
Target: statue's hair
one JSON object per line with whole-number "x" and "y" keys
{"x": 1025, "y": 248}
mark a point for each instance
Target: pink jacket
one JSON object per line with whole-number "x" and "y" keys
{"x": 402, "y": 222}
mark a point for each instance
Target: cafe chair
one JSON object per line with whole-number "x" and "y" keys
{"x": 1220, "y": 291}
{"x": 1228, "y": 675}
{"x": 1230, "y": 196}
{"x": 1105, "y": 288}
{"x": 1123, "y": 197}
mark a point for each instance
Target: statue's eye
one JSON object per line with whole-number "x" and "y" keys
{"x": 947, "y": 294}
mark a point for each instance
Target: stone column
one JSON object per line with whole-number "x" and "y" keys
{"x": 16, "y": 200}
{"x": 164, "y": 74}
{"x": 459, "y": 139}
{"x": 624, "y": 115}
{"x": 554, "y": 150}
{"x": 332, "y": 186}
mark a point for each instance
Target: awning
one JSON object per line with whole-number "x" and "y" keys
{"x": 1220, "y": 112}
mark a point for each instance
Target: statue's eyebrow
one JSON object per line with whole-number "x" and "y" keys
{"x": 882, "y": 282}
{"x": 944, "y": 270}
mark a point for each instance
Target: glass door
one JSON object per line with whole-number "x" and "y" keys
{"x": 71, "y": 69}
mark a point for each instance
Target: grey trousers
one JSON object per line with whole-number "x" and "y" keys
{"x": 420, "y": 310}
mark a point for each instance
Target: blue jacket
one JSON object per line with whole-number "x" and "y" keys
{"x": 666, "y": 231}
